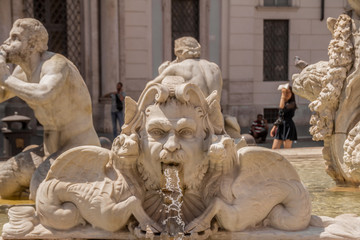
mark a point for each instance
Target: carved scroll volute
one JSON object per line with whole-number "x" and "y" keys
{"x": 130, "y": 109}
{"x": 155, "y": 93}
{"x": 215, "y": 114}
{"x": 210, "y": 105}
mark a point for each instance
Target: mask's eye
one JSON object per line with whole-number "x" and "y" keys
{"x": 156, "y": 132}
{"x": 186, "y": 132}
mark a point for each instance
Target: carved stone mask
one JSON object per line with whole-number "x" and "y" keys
{"x": 173, "y": 137}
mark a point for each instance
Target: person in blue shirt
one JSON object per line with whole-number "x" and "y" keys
{"x": 117, "y": 108}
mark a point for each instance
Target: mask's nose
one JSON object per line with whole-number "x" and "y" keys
{"x": 172, "y": 143}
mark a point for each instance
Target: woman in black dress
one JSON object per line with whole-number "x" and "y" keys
{"x": 285, "y": 131}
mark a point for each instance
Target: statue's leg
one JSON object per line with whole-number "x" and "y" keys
{"x": 40, "y": 174}
{"x": 16, "y": 172}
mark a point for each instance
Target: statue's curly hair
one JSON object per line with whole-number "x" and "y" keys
{"x": 38, "y": 36}
{"x": 188, "y": 46}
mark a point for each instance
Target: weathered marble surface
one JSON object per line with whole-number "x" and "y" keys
{"x": 173, "y": 172}
{"x": 205, "y": 74}
{"x": 172, "y": 129}
{"x": 51, "y": 85}
{"x": 332, "y": 87}
{"x": 188, "y": 65}
{"x": 342, "y": 227}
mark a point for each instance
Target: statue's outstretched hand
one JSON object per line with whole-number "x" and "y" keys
{"x": 4, "y": 68}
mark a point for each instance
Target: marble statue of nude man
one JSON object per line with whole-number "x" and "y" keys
{"x": 188, "y": 65}
{"x": 50, "y": 84}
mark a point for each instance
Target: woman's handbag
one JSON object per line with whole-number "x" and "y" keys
{"x": 280, "y": 119}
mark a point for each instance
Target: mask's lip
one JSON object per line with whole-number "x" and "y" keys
{"x": 170, "y": 164}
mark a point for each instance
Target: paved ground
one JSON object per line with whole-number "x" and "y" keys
{"x": 301, "y": 153}
{"x": 301, "y": 143}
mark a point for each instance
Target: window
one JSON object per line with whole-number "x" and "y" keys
{"x": 271, "y": 114}
{"x": 62, "y": 20}
{"x": 279, "y": 3}
{"x": 184, "y": 19}
{"x": 276, "y": 50}
{"x": 51, "y": 14}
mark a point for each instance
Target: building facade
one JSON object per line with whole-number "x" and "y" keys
{"x": 253, "y": 41}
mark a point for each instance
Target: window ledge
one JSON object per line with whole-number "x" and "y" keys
{"x": 276, "y": 8}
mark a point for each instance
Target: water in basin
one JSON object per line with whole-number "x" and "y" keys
{"x": 327, "y": 199}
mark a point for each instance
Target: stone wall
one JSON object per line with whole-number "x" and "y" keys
{"x": 137, "y": 40}
{"x": 128, "y": 50}
{"x": 247, "y": 93}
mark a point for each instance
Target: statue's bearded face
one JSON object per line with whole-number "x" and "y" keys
{"x": 16, "y": 45}
{"x": 173, "y": 137}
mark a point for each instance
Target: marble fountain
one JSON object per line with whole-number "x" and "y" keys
{"x": 327, "y": 198}
{"x": 179, "y": 169}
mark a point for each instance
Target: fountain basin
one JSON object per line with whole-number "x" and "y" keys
{"x": 327, "y": 200}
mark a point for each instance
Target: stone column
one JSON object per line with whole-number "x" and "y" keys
{"x": 91, "y": 48}
{"x": 109, "y": 40}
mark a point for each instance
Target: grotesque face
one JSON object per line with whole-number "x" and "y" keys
{"x": 16, "y": 45}
{"x": 173, "y": 137}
